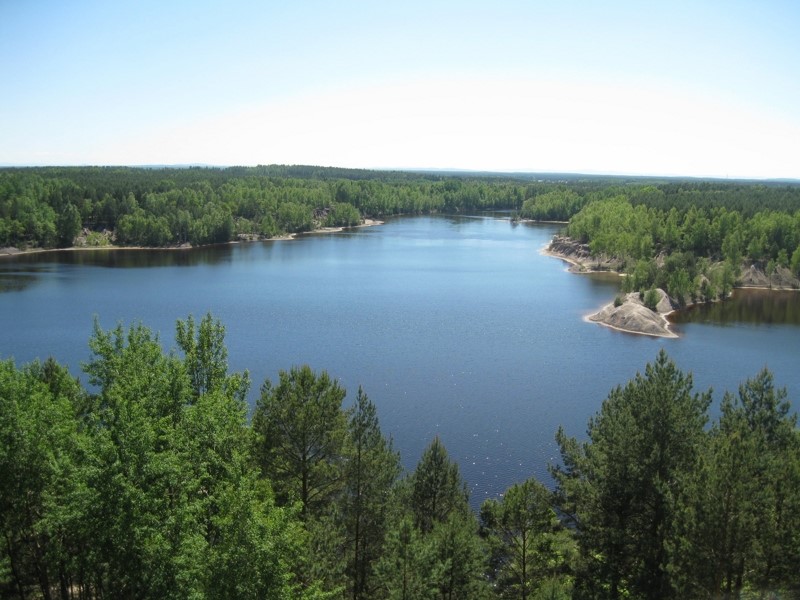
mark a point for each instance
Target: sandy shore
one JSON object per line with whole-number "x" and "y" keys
{"x": 578, "y": 267}
{"x": 669, "y": 333}
{"x": 366, "y": 223}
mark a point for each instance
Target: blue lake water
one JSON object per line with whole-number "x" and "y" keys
{"x": 454, "y": 326}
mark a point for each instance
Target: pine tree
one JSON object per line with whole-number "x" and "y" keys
{"x": 629, "y": 484}
{"x": 439, "y": 504}
{"x": 299, "y": 432}
{"x": 521, "y": 529}
{"x": 371, "y": 470}
{"x": 436, "y": 488}
{"x": 748, "y": 505}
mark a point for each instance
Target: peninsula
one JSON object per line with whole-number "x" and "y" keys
{"x": 628, "y": 313}
{"x": 633, "y": 312}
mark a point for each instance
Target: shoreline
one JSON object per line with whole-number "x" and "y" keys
{"x": 608, "y": 314}
{"x": 630, "y": 310}
{"x": 6, "y": 252}
{"x": 671, "y": 335}
{"x": 366, "y": 223}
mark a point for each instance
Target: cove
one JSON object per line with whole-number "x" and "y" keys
{"x": 454, "y": 326}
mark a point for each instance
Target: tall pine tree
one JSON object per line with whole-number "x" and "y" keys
{"x": 629, "y": 485}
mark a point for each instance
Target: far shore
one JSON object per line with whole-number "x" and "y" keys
{"x": 186, "y": 246}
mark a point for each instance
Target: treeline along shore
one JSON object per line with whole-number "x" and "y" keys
{"x": 678, "y": 242}
{"x": 157, "y": 482}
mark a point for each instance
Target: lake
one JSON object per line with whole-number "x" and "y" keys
{"x": 454, "y": 326}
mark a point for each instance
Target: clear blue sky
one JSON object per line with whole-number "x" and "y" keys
{"x": 675, "y": 88}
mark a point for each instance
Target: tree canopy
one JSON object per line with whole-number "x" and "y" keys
{"x": 153, "y": 483}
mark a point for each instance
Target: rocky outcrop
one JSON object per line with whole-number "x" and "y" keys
{"x": 634, "y": 317}
{"x": 580, "y": 256}
{"x": 780, "y": 279}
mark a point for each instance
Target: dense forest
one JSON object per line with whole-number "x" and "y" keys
{"x": 50, "y": 207}
{"x": 692, "y": 238}
{"x": 155, "y": 482}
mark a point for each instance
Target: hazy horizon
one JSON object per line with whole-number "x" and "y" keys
{"x": 422, "y": 170}
{"x": 701, "y": 90}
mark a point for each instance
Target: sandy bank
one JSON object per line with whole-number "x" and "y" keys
{"x": 632, "y": 316}
{"x": 579, "y": 256}
{"x": 364, "y": 223}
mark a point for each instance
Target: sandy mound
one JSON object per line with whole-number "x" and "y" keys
{"x": 634, "y": 317}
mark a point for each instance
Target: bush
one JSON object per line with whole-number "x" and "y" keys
{"x": 95, "y": 239}
{"x": 651, "y": 299}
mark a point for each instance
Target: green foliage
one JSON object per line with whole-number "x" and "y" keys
{"x": 629, "y": 485}
{"x": 96, "y": 240}
{"x": 155, "y": 207}
{"x": 615, "y": 227}
{"x": 558, "y": 205}
{"x": 668, "y": 241}
{"x": 38, "y": 468}
{"x": 156, "y": 486}
{"x": 145, "y": 490}
{"x": 370, "y": 472}
{"x": 651, "y": 299}
{"x": 206, "y": 358}
{"x": 437, "y": 489}
{"x": 343, "y": 215}
{"x": 460, "y": 557}
{"x": 746, "y": 505}
{"x": 408, "y": 569}
{"x": 294, "y": 217}
{"x": 521, "y": 529}
{"x": 299, "y": 430}
{"x": 68, "y": 225}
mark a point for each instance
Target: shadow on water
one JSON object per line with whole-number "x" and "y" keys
{"x": 19, "y": 272}
{"x": 753, "y": 306}
{"x": 15, "y": 282}
{"x": 123, "y": 258}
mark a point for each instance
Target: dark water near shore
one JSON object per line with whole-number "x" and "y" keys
{"x": 456, "y": 327}
{"x": 755, "y": 306}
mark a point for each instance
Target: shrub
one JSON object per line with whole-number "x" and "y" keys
{"x": 651, "y": 299}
